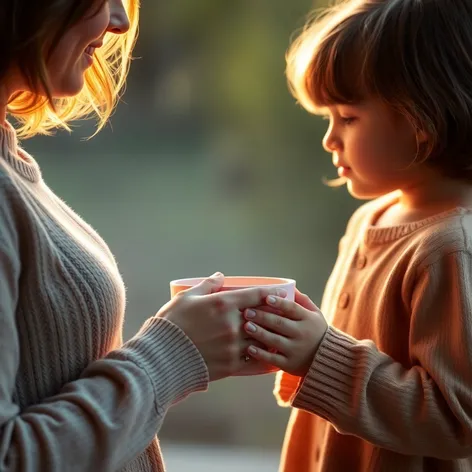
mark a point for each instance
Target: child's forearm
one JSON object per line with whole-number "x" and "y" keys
{"x": 364, "y": 392}
{"x": 424, "y": 408}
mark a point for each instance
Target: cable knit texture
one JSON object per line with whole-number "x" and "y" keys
{"x": 73, "y": 397}
{"x": 390, "y": 388}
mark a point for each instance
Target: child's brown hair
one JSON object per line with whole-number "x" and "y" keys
{"x": 416, "y": 55}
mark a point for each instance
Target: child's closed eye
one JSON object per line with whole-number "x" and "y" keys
{"x": 348, "y": 120}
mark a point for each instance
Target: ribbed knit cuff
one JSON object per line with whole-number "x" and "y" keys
{"x": 173, "y": 363}
{"x": 329, "y": 386}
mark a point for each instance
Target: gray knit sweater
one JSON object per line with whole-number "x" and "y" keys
{"x": 73, "y": 397}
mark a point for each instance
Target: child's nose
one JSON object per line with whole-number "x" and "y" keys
{"x": 331, "y": 142}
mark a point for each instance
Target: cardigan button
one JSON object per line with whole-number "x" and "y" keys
{"x": 343, "y": 300}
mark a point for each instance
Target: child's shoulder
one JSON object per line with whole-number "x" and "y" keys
{"x": 448, "y": 233}
{"x": 428, "y": 240}
{"x": 364, "y": 212}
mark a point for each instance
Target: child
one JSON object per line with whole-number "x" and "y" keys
{"x": 381, "y": 377}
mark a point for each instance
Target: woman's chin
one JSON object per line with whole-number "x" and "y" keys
{"x": 69, "y": 89}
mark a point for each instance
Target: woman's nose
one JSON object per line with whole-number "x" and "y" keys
{"x": 119, "y": 21}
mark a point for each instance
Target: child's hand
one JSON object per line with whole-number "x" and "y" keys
{"x": 292, "y": 335}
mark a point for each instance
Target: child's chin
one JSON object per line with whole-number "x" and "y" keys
{"x": 362, "y": 194}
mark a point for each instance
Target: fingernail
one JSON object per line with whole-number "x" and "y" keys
{"x": 216, "y": 274}
{"x": 282, "y": 292}
{"x": 252, "y": 350}
{"x": 251, "y": 328}
{"x": 272, "y": 300}
{"x": 250, "y": 314}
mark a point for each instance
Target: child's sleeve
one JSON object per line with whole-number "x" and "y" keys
{"x": 425, "y": 410}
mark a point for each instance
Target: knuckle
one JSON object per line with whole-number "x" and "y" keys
{"x": 234, "y": 331}
{"x": 292, "y": 312}
{"x": 277, "y": 342}
{"x": 183, "y": 300}
{"x": 230, "y": 329}
{"x": 181, "y": 294}
{"x": 279, "y": 322}
{"x": 205, "y": 286}
{"x": 282, "y": 362}
{"x": 212, "y": 285}
{"x": 220, "y": 305}
{"x": 260, "y": 293}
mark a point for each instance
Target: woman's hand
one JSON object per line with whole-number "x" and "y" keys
{"x": 292, "y": 332}
{"x": 213, "y": 321}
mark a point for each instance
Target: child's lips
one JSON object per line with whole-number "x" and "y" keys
{"x": 343, "y": 171}
{"x": 342, "y": 168}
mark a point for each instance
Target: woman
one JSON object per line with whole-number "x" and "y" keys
{"x": 73, "y": 397}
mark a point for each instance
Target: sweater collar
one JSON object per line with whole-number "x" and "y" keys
{"x": 377, "y": 235}
{"x": 17, "y": 158}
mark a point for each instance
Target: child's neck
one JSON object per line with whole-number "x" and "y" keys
{"x": 424, "y": 201}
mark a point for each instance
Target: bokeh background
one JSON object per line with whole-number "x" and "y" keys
{"x": 208, "y": 164}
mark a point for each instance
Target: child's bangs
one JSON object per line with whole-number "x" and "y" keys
{"x": 326, "y": 69}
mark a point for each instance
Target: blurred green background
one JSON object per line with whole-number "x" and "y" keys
{"x": 208, "y": 164}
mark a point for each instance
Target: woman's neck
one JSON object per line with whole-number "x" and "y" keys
{"x": 3, "y": 106}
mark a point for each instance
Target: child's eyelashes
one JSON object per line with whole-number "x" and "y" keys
{"x": 348, "y": 120}
{"x": 345, "y": 120}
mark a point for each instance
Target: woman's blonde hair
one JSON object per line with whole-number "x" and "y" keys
{"x": 415, "y": 55}
{"x": 104, "y": 80}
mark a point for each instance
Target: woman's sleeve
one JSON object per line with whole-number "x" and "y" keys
{"x": 108, "y": 416}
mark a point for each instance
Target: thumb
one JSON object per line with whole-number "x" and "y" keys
{"x": 209, "y": 285}
{"x": 304, "y": 301}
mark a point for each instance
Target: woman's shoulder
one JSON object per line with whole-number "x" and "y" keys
{"x": 15, "y": 212}
{"x": 10, "y": 194}
{"x": 12, "y": 215}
